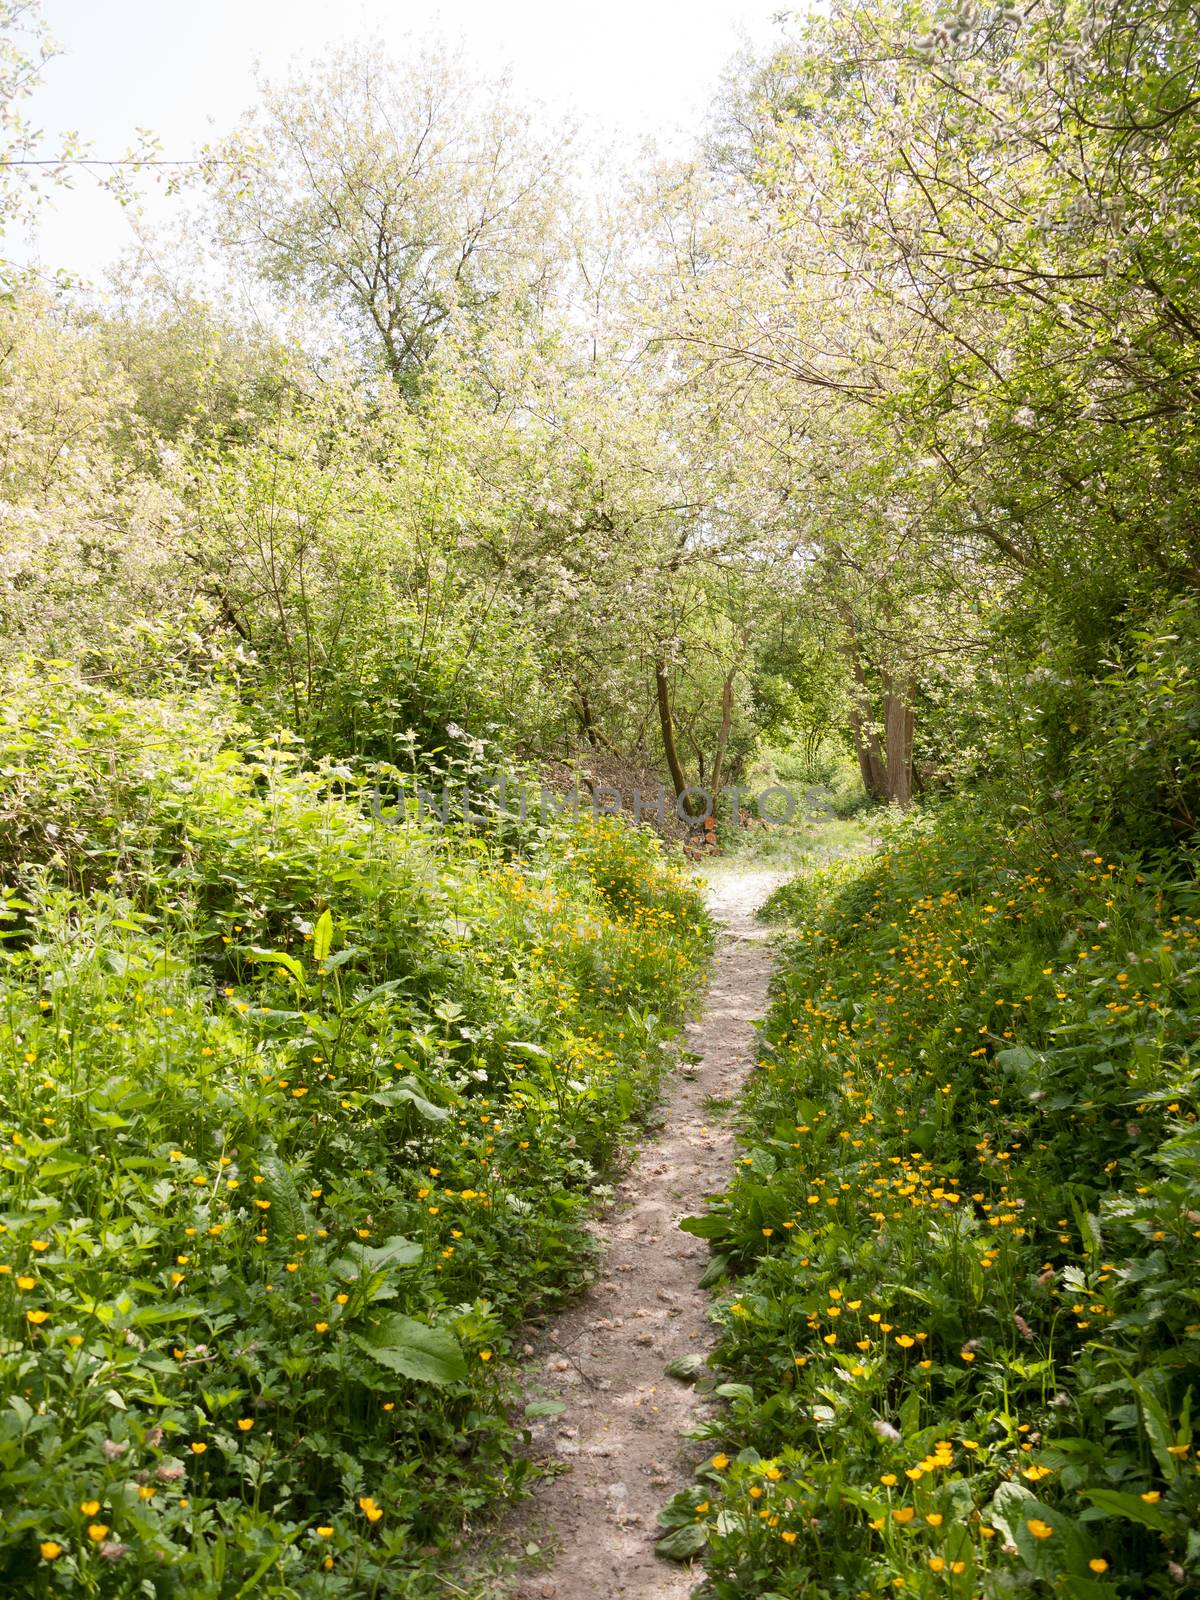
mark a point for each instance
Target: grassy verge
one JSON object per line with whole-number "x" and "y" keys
{"x": 812, "y": 838}
{"x": 300, "y": 1113}
{"x": 962, "y": 1348}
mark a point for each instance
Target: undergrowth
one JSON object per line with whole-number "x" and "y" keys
{"x": 301, "y": 1108}
{"x": 962, "y": 1342}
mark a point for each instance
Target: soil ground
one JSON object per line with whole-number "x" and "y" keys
{"x": 622, "y": 1438}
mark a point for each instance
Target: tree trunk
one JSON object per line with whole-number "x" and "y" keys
{"x": 723, "y": 733}
{"x": 870, "y": 758}
{"x": 887, "y": 767}
{"x": 666, "y": 721}
{"x": 871, "y": 762}
{"x": 595, "y": 736}
{"x": 584, "y": 712}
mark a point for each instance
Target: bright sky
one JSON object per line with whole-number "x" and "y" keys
{"x": 185, "y": 70}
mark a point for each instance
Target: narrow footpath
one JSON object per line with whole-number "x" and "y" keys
{"x": 621, "y": 1438}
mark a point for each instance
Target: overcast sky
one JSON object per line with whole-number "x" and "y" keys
{"x": 186, "y": 71}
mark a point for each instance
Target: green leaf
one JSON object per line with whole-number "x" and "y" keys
{"x": 545, "y": 1408}
{"x": 332, "y": 963}
{"x": 109, "y": 1119}
{"x": 394, "y": 1252}
{"x": 714, "y": 1272}
{"x": 762, "y": 1163}
{"x": 680, "y": 1509}
{"x": 155, "y": 1316}
{"x": 1013, "y": 1508}
{"x": 1118, "y": 1503}
{"x": 322, "y": 939}
{"x": 406, "y": 1092}
{"x": 429, "y": 1355}
{"x": 712, "y": 1226}
{"x": 682, "y": 1544}
{"x": 379, "y": 992}
{"x": 1158, "y": 1428}
{"x": 1018, "y": 1056}
{"x": 283, "y": 1195}
{"x": 61, "y": 1167}
{"x": 279, "y": 958}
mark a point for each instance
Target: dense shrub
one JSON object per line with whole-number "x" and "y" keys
{"x": 300, "y": 1113}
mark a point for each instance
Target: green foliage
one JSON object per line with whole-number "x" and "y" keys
{"x": 303, "y": 1098}
{"x": 348, "y": 548}
{"x": 192, "y": 371}
{"x": 300, "y": 1115}
{"x": 414, "y": 204}
{"x": 986, "y": 435}
{"x": 1111, "y": 732}
{"x": 964, "y": 1233}
{"x": 799, "y": 690}
{"x": 79, "y": 535}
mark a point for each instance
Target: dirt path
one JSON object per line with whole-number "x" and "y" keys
{"x": 621, "y": 1435}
